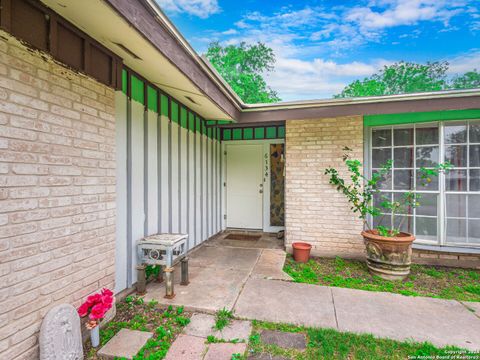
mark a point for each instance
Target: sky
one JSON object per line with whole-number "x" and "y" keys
{"x": 323, "y": 45}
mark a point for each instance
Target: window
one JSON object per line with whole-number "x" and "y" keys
{"x": 450, "y": 205}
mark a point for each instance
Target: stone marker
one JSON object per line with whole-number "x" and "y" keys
{"x": 125, "y": 344}
{"x": 284, "y": 340}
{"x": 60, "y": 335}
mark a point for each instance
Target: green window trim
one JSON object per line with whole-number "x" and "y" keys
{"x": 124, "y": 80}
{"x": 152, "y": 99}
{"x": 138, "y": 92}
{"x": 174, "y": 112}
{"x": 416, "y": 117}
{"x": 183, "y": 117}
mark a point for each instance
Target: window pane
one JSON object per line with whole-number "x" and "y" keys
{"x": 403, "y": 157}
{"x": 475, "y": 155}
{"x": 426, "y": 228}
{"x": 403, "y": 180}
{"x": 405, "y": 223}
{"x": 386, "y": 182}
{"x": 475, "y": 180}
{"x": 380, "y": 157}
{"x": 474, "y": 231}
{"x": 475, "y": 132}
{"x": 424, "y": 184}
{"x": 399, "y": 197}
{"x": 456, "y": 230}
{"x": 427, "y": 156}
{"x": 474, "y": 206}
{"x": 427, "y": 135}
{"x": 381, "y": 197}
{"x": 428, "y": 204}
{"x": 456, "y": 180}
{"x": 382, "y": 137}
{"x": 402, "y": 137}
{"x": 456, "y": 205}
{"x": 382, "y": 220}
{"x": 456, "y": 155}
{"x": 455, "y": 133}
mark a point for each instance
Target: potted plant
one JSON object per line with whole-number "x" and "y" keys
{"x": 96, "y": 306}
{"x": 388, "y": 248}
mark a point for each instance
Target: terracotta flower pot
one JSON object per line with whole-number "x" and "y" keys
{"x": 388, "y": 257}
{"x": 301, "y": 251}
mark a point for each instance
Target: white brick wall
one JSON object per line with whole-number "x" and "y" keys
{"x": 315, "y": 212}
{"x": 57, "y": 191}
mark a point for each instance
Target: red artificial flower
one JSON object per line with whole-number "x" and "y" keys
{"x": 107, "y": 301}
{"x": 94, "y": 299}
{"x": 98, "y": 312}
{"x": 107, "y": 292}
{"x": 83, "y": 310}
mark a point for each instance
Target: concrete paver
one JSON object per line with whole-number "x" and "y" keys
{"x": 187, "y": 347}
{"x": 125, "y": 344}
{"x": 394, "y": 316}
{"x": 284, "y": 340}
{"x": 286, "y": 302}
{"x": 270, "y": 265}
{"x": 473, "y": 306}
{"x": 224, "y": 351}
{"x": 200, "y": 325}
{"x": 265, "y": 356}
{"x": 237, "y": 329}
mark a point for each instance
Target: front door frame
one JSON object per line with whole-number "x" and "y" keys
{"x": 266, "y": 179}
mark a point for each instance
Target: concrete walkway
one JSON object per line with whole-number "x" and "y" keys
{"x": 251, "y": 282}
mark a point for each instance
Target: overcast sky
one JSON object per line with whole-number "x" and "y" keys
{"x": 321, "y": 46}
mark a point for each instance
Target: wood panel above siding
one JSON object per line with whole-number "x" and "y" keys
{"x": 43, "y": 29}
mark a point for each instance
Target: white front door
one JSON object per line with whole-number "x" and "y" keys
{"x": 244, "y": 186}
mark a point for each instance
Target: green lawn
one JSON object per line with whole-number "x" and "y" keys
{"x": 331, "y": 344}
{"x": 432, "y": 281}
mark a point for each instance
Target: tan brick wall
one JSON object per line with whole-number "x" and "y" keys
{"x": 57, "y": 191}
{"x": 315, "y": 212}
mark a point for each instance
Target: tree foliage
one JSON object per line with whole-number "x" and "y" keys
{"x": 243, "y": 67}
{"x": 407, "y": 77}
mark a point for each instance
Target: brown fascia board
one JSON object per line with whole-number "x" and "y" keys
{"x": 141, "y": 15}
{"x": 361, "y": 107}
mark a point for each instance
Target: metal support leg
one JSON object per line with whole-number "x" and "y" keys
{"x": 169, "y": 292}
{"x": 141, "y": 280}
{"x": 160, "y": 274}
{"x": 184, "y": 266}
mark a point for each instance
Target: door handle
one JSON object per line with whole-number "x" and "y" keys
{"x": 260, "y": 191}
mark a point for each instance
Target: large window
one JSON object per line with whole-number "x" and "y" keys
{"x": 450, "y": 211}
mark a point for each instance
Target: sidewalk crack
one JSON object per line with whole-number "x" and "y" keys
{"x": 334, "y": 309}
{"x": 245, "y": 282}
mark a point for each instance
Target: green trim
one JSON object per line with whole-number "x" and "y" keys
{"x": 237, "y": 134}
{"x": 164, "y": 105}
{"x": 183, "y": 117}
{"x": 259, "y": 133}
{"x": 248, "y": 134}
{"x": 152, "y": 99}
{"x": 137, "y": 89}
{"x": 271, "y": 132}
{"x": 416, "y": 117}
{"x": 174, "y": 112}
{"x": 227, "y": 134}
{"x": 281, "y": 132}
{"x": 191, "y": 121}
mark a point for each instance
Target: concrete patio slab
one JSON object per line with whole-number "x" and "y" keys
{"x": 187, "y": 347}
{"x": 210, "y": 289}
{"x": 225, "y": 258}
{"x": 394, "y": 316}
{"x": 200, "y": 325}
{"x": 238, "y": 329}
{"x": 224, "y": 351}
{"x": 270, "y": 265}
{"x": 287, "y": 302}
{"x": 266, "y": 241}
{"x": 125, "y": 344}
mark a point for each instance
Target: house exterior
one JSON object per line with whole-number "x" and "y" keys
{"x": 112, "y": 128}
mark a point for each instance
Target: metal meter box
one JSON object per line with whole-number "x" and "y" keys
{"x": 162, "y": 249}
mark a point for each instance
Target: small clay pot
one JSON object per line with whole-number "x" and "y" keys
{"x": 301, "y": 251}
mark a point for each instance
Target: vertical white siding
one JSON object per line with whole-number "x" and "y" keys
{"x": 163, "y": 186}
{"x": 183, "y": 180}
{"x": 152, "y": 220}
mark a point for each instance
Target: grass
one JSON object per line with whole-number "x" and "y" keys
{"x": 222, "y": 318}
{"x": 133, "y": 313}
{"x": 331, "y": 344}
{"x": 431, "y": 281}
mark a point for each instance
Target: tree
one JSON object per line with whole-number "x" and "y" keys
{"x": 400, "y": 78}
{"x": 469, "y": 80}
{"x": 243, "y": 67}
